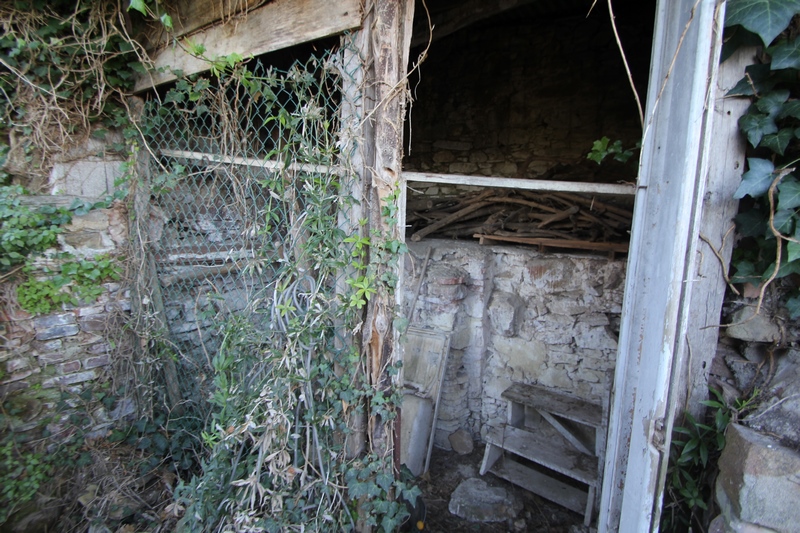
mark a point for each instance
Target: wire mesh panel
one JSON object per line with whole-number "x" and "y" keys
{"x": 244, "y": 165}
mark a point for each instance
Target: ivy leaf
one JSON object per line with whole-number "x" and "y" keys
{"x": 793, "y": 306}
{"x": 755, "y": 126}
{"x": 736, "y": 38}
{"x": 756, "y": 181}
{"x": 772, "y": 102}
{"x": 783, "y": 220}
{"x": 751, "y": 223}
{"x": 787, "y": 267}
{"x": 767, "y": 18}
{"x": 790, "y": 109}
{"x": 138, "y": 5}
{"x": 166, "y": 21}
{"x": 757, "y": 77}
{"x": 788, "y": 193}
{"x": 793, "y": 249}
{"x": 786, "y": 54}
{"x": 745, "y": 272}
{"x": 777, "y": 142}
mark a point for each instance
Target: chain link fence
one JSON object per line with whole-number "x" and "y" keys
{"x": 249, "y": 182}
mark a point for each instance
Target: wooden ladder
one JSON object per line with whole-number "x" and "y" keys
{"x": 561, "y": 433}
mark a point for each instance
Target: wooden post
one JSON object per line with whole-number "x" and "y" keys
{"x": 146, "y": 297}
{"x": 388, "y": 25}
{"x": 716, "y": 230}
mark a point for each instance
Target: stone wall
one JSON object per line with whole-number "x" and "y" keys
{"x": 69, "y": 350}
{"x": 515, "y": 315}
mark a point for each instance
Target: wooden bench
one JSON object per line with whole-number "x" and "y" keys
{"x": 563, "y": 434}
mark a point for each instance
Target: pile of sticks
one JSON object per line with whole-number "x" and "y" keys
{"x": 554, "y": 219}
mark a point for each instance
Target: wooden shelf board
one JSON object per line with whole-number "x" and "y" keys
{"x": 545, "y": 486}
{"x": 559, "y": 404}
{"x": 551, "y": 451}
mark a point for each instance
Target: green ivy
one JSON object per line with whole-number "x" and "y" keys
{"x": 25, "y": 230}
{"x": 769, "y": 220}
{"x": 72, "y": 282}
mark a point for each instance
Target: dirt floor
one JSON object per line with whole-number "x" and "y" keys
{"x": 448, "y": 469}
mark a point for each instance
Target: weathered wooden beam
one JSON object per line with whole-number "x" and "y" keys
{"x": 719, "y": 207}
{"x": 465, "y": 14}
{"x": 192, "y": 15}
{"x": 279, "y": 24}
{"x": 660, "y": 268}
{"x": 268, "y": 164}
{"x": 523, "y": 184}
{"x": 390, "y": 32}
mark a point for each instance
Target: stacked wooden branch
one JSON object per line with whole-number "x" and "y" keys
{"x": 555, "y": 219}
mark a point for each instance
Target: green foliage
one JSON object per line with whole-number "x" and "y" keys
{"x": 692, "y": 470}
{"x": 72, "y": 282}
{"x": 21, "y": 475}
{"x": 770, "y": 188}
{"x": 25, "y": 230}
{"x": 603, "y": 148}
{"x": 766, "y": 18}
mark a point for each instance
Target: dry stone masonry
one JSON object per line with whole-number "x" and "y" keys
{"x": 68, "y": 350}
{"x": 515, "y": 315}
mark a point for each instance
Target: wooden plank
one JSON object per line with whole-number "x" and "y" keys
{"x": 523, "y": 184}
{"x": 558, "y": 243}
{"x": 719, "y": 208}
{"x": 545, "y": 486}
{"x": 563, "y": 405}
{"x": 490, "y": 456}
{"x": 272, "y": 165}
{"x": 279, "y": 24}
{"x": 190, "y": 15}
{"x": 572, "y": 437}
{"x": 548, "y": 449}
{"x": 660, "y": 264}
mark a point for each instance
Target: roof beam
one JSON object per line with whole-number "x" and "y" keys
{"x": 279, "y": 24}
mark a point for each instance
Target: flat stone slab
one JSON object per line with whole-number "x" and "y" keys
{"x": 474, "y": 500}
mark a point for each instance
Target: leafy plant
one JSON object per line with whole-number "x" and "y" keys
{"x": 72, "y": 283}
{"x": 770, "y": 188}
{"x": 25, "y": 230}
{"x": 696, "y": 447}
{"x": 21, "y": 474}
{"x": 603, "y": 148}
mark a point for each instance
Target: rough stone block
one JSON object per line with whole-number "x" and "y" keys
{"x": 597, "y": 338}
{"x": 461, "y": 441}
{"x": 13, "y": 365}
{"x": 58, "y": 332}
{"x": 19, "y": 375}
{"x": 549, "y": 329}
{"x": 69, "y": 379}
{"x": 780, "y": 413}
{"x": 567, "y": 303}
{"x": 91, "y": 177}
{"x": 520, "y": 356}
{"x": 8, "y": 388}
{"x": 759, "y": 480}
{"x": 475, "y": 501}
{"x": 69, "y": 367}
{"x": 462, "y": 168}
{"x": 758, "y": 328}
{"x": 51, "y": 321}
{"x": 94, "y": 323}
{"x": 505, "y": 313}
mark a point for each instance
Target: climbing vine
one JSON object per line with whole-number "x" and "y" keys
{"x": 768, "y": 223}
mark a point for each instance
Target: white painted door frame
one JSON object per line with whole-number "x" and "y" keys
{"x": 661, "y": 261}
